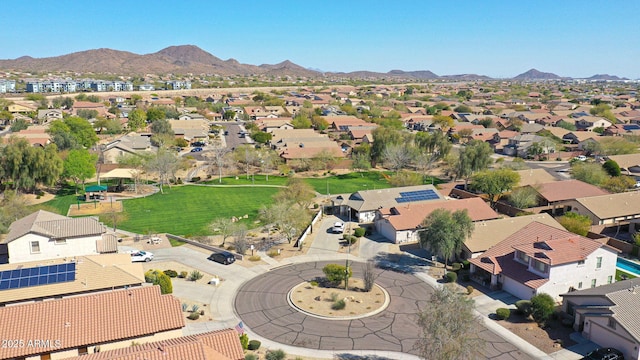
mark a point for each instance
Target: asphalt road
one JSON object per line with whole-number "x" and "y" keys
{"x": 233, "y": 138}
{"x": 262, "y": 304}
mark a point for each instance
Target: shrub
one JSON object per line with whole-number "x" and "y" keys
{"x": 157, "y": 277}
{"x": 334, "y": 297}
{"x": 183, "y": 274}
{"x": 171, "y": 273}
{"x": 313, "y": 283}
{"x": 456, "y": 266}
{"x": 542, "y": 306}
{"x": 359, "y": 232}
{"x": 254, "y": 345}
{"x": 470, "y": 290}
{"x": 244, "y": 341}
{"x": 275, "y": 355}
{"x": 339, "y": 305}
{"x": 524, "y": 307}
{"x": 150, "y": 276}
{"x": 451, "y": 277}
{"x": 184, "y": 307}
{"x": 231, "y": 248}
{"x": 336, "y": 273}
{"x": 195, "y": 178}
{"x": 254, "y": 258}
{"x": 193, "y": 316}
{"x": 251, "y": 357}
{"x": 195, "y": 275}
{"x": 503, "y": 313}
{"x": 194, "y": 308}
{"x": 273, "y": 253}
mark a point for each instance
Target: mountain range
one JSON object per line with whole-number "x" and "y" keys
{"x": 190, "y": 59}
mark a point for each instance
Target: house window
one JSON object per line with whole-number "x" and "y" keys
{"x": 580, "y": 262}
{"x": 523, "y": 257}
{"x": 612, "y": 323}
{"x": 609, "y": 279}
{"x": 599, "y": 262}
{"x": 83, "y": 351}
{"x": 580, "y": 285}
{"x": 35, "y": 247}
{"x": 593, "y": 283}
{"x": 540, "y": 266}
{"x": 61, "y": 241}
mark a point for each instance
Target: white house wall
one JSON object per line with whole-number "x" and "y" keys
{"x": 385, "y": 229}
{"x": 562, "y": 277}
{"x": 597, "y": 330}
{"x": 20, "y": 249}
{"x": 516, "y": 289}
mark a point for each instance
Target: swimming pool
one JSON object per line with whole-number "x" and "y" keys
{"x": 628, "y": 266}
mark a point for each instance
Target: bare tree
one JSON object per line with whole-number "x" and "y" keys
{"x": 165, "y": 163}
{"x": 246, "y": 155}
{"x": 269, "y": 160}
{"x": 240, "y": 239}
{"x": 218, "y": 155}
{"x": 136, "y": 162}
{"x": 450, "y": 328}
{"x": 397, "y": 156}
{"x": 223, "y": 226}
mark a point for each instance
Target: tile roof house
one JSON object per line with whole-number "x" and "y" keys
{"x": 191, "y": 130}
{"x": 130, "y": 144}
{"x": 535, "y": 177}
{"x": 90, "y": 323}
{"x": 35, "y": 135}
{"x": 489, "y": 233}
{"x": 343, "y": 122}
{"x": 629, "y": 163}
{"x": 610, "y": 209}
{"x": 214, "y": 345}
{"x": 43, "y": 235}
{"x": 520, "y": 145}
{"x": 362, "y": 206}
{"x": 540, "y": 258}
{"x": 96, "y": 273}
{"x": 401, "y": 223}
{"x": 557, "y": 195}
{"x": 608, "y": 315}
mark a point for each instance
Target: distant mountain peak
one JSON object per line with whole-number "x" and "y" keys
{"x": 534, "y": 74}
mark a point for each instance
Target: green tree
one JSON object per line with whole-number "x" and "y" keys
{"x": 575, "y": 223}
{"x": 360, "y": 161}
{"x": 445, "y": 122}
{"x": 162, "y": 126}
{"x": 494, "y": 183}
{"x": 523, "y": 197}
{"x": 450, "y": 328}
{"x": 23, "y": 167}
{"x": 611, "y": 167}
{"x": 462, "y": 109}
{"x": 591, "y": 173}
{"x": 611, "y": 145}
{"x": 474, "y": 157}
{"x": 406, "y": 178}
{"x": 157, "y": 277}
{"x": 261, "y": 137}
{"x": 430, "y": 148}
{"x": 336, "y": 274}
{"x": 445, "y": 232}
{"x": 71, "y": 132}
{"x": 137, "y": 119}
{"x": 13, "y": 206}
{"x": 384, "y": 137}
{"x": 19, "y": 125}
{"x": 301, "y": 121}
{"x": 319, "y": 123}
{"x": 87, "y": 113}
{"x": 79, "y": 165}
{"x": 603, "y": 110}
{"x": 156, "y": 113}
{"x": 618, "y": 184}
{"x": 542, "y": 306}
{"x": 108, "y": 126}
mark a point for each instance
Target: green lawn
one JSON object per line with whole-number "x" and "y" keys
{"x": 187, "y": 210}
{"x": 252, "y": 180}
{"x": 619, "y": 274}
{"x": 349, "y": 183}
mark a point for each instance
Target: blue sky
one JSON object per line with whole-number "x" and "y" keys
{"x": 494, "y": 38}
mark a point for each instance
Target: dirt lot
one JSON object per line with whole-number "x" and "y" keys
{"x": 552, "y": 338}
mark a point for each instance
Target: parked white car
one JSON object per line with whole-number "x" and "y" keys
{"x": 338, "y": 228}
{"x": 141, "y": 256}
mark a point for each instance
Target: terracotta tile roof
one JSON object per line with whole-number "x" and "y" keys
{"x": 53, "y": 226}
{"x": 409, "y": 216}
{"x": 544, "y": 243}
{"x": 93, "y": 273}
{"x": 120, "y": 314}
{"x": 215, "y": 345}
{"x": 568, "y": 190}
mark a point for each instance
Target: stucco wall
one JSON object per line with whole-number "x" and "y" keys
{"x": 20, "y": 249}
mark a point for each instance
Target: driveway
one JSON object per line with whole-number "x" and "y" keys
{"x": 325, "y": 241}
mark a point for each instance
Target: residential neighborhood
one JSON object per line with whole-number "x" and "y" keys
{"x": 174, "y": 205}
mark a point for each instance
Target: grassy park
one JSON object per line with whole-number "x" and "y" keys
{"x": 187, "y": 210}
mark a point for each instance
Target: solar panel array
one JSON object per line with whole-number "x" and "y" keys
{"x": 420, "y": 195}
{"x": 631, "y": 127}
{"x": 41, "y": 275}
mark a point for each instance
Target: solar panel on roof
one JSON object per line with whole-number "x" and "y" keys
{"x": 420, "y": 195}
{"x": 39, "y": 275}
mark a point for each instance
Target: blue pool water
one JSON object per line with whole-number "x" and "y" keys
{"x": 629, "y": 266}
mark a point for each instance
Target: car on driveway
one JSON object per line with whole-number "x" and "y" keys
{"x": 198, "y": 149}
{"x": 581, "y": 158}
{"x": 337, "y": 228}
{"x": 141, "y": 256}
{"x": 223, "y": 257}
{"x": 605, "y": 354}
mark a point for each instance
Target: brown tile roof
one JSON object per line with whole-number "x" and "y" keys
{"x": 53, "y": 226}
{"x": 542, "y": 242}
{"x": 612, "y": 205}
{"x": 93, "y": 273}
{"x": 489, "y": 233}
{"x": 535, "y": 177}
{"x": 214, "y": 345}
{"x": 91, "y": 319}
{"x": 409, "y": 216}
{"x": 568, "y": 190}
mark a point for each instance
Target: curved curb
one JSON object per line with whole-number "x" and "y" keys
{"x": 355, "y": 317}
